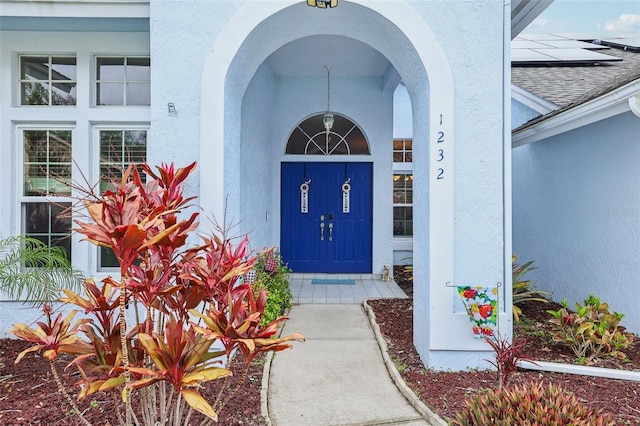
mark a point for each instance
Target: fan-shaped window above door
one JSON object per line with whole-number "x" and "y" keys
{"x": 311, "y": 138}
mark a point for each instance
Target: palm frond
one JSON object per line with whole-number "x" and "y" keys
{"x": 34, "y": 272}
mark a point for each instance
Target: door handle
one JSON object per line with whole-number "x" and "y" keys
{"x": 321, "y": 227}
{"x": 330, "y": 231}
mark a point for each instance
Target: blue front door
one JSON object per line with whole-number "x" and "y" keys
{"x": 330, "y": 228}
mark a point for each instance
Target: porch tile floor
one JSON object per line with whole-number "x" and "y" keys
{"x": 366, "y": 287}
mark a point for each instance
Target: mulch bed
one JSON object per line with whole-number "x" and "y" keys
{"x": 29, "y": 396}
{"x": 445, "y": 392}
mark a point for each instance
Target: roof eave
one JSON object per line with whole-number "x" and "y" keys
{"x": 615, "y": 102}
{"x": 523, "y": 12}
{"x": 536, "y": 103}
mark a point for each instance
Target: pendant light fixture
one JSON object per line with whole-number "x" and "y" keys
{"x": 327, "y": 119}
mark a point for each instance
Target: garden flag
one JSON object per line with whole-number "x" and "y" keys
{"x": 481, "y": 304}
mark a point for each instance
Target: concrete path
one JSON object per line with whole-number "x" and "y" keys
{"x": 336, "y": 377}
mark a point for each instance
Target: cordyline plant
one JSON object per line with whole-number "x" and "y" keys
{"x": 193, "y": 311}
{"x": 507, "y": 356}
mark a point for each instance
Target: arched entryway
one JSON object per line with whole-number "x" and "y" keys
{"x": 244, "y": 111}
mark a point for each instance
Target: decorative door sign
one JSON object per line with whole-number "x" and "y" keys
{"x": 304, "y": 197}
{"x": 346, "y": 202}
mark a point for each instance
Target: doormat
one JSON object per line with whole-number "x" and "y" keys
{"x": 333, "y": 281}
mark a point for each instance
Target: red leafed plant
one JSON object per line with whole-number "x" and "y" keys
{"x": 507, "y": 354}
{"x": 186, "y": 301}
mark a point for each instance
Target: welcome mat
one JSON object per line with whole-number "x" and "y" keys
{"x": 332, "y": 281}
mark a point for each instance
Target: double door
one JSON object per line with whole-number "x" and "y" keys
{"x": 326, "y": 217}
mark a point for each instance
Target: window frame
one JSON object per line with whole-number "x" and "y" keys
{"x": 19, "y": 186}
{"x": 95, "y": 81}
{"x": 404, "y": 172}
{"x": 49, "y": 81}
{"x": 96, "y": 175}
{"x": 407, "y": 154}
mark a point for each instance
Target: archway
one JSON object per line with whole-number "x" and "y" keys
{"x": 260, "y": 28}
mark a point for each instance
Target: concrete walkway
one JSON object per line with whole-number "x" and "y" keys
{"x": 336, "y": 377}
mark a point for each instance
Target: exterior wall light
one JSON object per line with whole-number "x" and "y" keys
{"x": 322, "y": 3}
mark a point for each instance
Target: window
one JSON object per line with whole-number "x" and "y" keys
{"x": 123, "y": 81}
{"x": 45, "y": 204}
{"x": 47, "y": 80}
{"x": 311, "y": 138}
{"x": 403, "y": 205}
{"x": 118, "y": 150}
{"x": 402, "y": 150}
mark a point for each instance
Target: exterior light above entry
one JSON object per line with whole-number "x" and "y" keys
{"x": 322, "y": 3}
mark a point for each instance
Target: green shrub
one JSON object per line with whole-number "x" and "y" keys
{"x": 592, "y": 331}
{"x": 523, "y": 290}
{"x": 529, "y": 404}
{"x": 272, "y": 275}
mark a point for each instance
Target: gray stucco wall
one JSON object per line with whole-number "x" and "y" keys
{"x": 576, "y": 213}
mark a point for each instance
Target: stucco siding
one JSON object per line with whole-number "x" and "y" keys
{"x": 576, "y": 213}
{"x": 521, "y": 113}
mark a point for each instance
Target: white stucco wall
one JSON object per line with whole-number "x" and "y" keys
{"x": 207, "y": 60}
{"x": 576, "y": 213}
{"x": 259, "y": 150}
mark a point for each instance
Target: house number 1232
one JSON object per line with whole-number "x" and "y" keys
{"x": 440, "y": 152}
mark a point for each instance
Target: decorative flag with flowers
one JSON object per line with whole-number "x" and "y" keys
{"x": 481, "y": 303}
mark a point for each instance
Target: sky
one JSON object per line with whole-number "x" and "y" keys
{"x": 598, "y": 17}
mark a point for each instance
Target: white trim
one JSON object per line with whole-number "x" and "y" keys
{"x": 505, "y": 319}
{"x": 613, "y": 103}
{"x": 532, "y": 101}
{"x": 402, "y": 243}
{"x": 634, "y": 104}
{"x": 76, "y": 8}
{"x": 584, "y": 370}
{"x": 525, "y": 12}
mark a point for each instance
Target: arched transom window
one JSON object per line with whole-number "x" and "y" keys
{"x": 311, "y": 138}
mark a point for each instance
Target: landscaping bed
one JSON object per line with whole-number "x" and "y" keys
{"x": 29, "y": 395}
{"x": 445, "y": 392}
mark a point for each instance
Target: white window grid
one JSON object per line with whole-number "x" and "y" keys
{"x": 127, "y": 81}
{"x": 60, "y": 200}
{"x": 116, "y": 159}
{"x": 59, "y": 91}
{"x": 402, "y": 198}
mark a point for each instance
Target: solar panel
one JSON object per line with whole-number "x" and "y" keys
{"x": 558, "y": 56}
{"x": 526, "y": 44}
{"x": 571, "y": 44}
{"x": 579, "y": 36}
{"x": 625, "y": 43}
{"x": 579, "y": 55}
{"x": 540, "y": 37}
{"x": 529, "y": 55}
{"x": 559, "y": 49}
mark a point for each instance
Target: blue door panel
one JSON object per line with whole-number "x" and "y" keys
{"x": 345, "y": 243}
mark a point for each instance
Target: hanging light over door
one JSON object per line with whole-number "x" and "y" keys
{"x": 327, "y": 119}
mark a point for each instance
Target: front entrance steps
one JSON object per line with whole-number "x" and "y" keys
{"x": 367, "y": 286}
